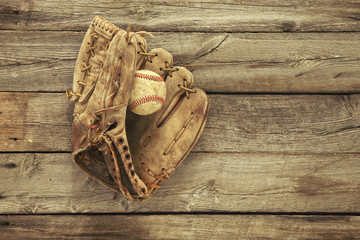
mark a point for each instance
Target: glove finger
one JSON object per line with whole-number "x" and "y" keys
{"x": 88, "y": 67}
{"x": 159, "y": 61}
{"x": 90, "y": 61}
{"x": 162, "y": 148}
{"x": 100, "y": 125}
{"x": 178, "y": 85}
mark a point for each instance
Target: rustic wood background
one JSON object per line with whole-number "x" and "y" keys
{"x": 279, "y": 156}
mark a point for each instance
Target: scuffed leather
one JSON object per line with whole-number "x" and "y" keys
{"x": 128, "y": 153}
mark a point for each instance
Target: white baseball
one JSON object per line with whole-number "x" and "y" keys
{"x": 148, "y": 93}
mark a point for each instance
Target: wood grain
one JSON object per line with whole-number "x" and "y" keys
{"x": 36, "y": 183}
{"x": 180, "y": 227}
{"x": 184, "y": 15}
{"x": 236, "y": 62}
{"x": 259, "y": 155}
{"x": 237, "y": 123}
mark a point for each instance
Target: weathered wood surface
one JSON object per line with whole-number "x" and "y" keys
{"x": 273, "y": 154}
{"x": 184, "y": 15}
{"x": 180, "y": 227}
{"x": 237, "y": 123}
{"x": 204, "y": 182}
{"x": 236, "y": 62}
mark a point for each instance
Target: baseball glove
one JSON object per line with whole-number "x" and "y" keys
{"x": 104, "y": 131}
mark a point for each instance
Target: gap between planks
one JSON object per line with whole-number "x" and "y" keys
{"x": 215, "y": 16}
{"x": 244, "y": 213}
{"x": 222, "y": 182}
{"x": 181, "y": 227}
{"x": 237, "y": 123}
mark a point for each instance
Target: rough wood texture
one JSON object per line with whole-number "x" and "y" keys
{"x": 237, "y": 123}
{"x": 204, "y": 182}
{"x": 272, "y": 62}
{"x": 184, "y": 15}
{"x": 259, "y": 154}
{"x": 180, "y": 227}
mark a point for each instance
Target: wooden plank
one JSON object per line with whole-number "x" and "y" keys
{"x": 280, "y": 62}
{"x": 237, "y": 123}
{"x": 36, "y": 183}
{"x": 180, "y": 227}
{"x": 184, "y": 15}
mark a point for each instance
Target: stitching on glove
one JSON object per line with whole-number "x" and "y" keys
{"x": 159, "y": 178}
{"x": 168, "y": 69}
{"x": 98, "y": 139}
{"x": 145, "y": 99}
{"x": 179, "y": 134}
{"x": 103, "y": 24}
{"x": 91, "y": 50}
{"x": 187, "y": 89}
{"x": 153, "y": 185}
{"x": 93, "y": 34}
{"x": 86, "y": 68}
{"x": 70, "y": 93}
{"x": 144, "y": 53}
{"x": 81, "y": 83}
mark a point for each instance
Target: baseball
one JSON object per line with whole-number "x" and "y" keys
{"x": 148, "y": 93}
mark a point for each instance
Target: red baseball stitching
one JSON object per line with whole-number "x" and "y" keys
{"x": 149, "y": 77}
{"x": 145, "y": 99}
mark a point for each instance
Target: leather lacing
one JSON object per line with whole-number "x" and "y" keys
{"x": 186, "y": 88}
{"x": 165, "y": 174}
{"x": 95, "y": 127}
{"x": 164, "y": 177}
{"x": 98, "y": 139}
{"x": 168, "y": 69}
{"x": 141, "y": 33}
{"x": 144, "y": 53}
{"x": 85, "y": 67}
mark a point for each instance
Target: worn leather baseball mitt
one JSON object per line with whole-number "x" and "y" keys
{"x": 128, "y": 153}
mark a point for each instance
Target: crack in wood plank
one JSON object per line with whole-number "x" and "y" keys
{"x": 212, "y": 48}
